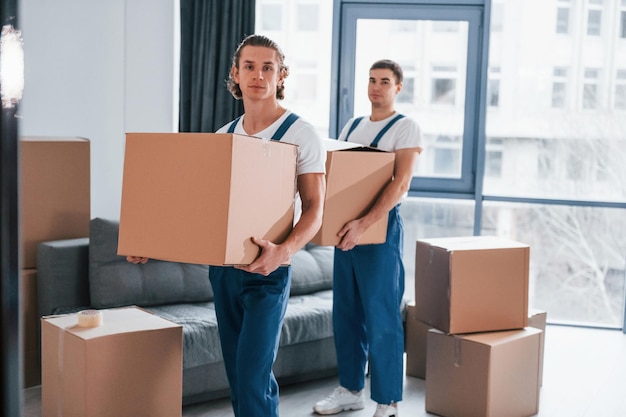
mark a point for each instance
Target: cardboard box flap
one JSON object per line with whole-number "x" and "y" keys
{"x": 115, "y": 321}
{"x": 452, "y": 244}
{"x": 500, "y": 337}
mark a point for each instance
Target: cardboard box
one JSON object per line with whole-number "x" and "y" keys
{"x": 200, "y": 197}
{"x": 29, "y": 317}
{"x": 355, "y": 177}
{"x": 492, "y": 374}
{"x": 416, "y": 336}
{"x": 538, "y": 320}
{"x": 131, "y": 365}
{"x": 472, "y": 284}
{"x": 55, "y": 201}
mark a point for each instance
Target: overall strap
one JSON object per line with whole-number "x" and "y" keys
{"x": 285, "y": 126}
{"x": 282, "y": 129}
{"x": 355, "y": 123}
{"x": 384, "y": 130}
{"x": 233, "y": 124}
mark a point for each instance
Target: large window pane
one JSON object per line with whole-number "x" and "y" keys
{"x": 557, "y": 168}
{"x": 577, "y": 258}
{"x": 429, "y": 218}
{"x": 303, "y": 29}
{"x": 559, "y": 118}
{"x": 436, "y": 65}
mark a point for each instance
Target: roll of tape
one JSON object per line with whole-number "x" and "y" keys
{"x": 89, "y": 318}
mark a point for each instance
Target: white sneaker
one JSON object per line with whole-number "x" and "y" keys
{"x": 385, "y": 410}
{"x": 340, "y": 400}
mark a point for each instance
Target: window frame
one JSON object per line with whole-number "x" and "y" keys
{"x": 476, "y": 14}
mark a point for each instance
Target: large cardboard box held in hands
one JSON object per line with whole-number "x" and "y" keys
{"x": 355, "y": 177}
{"x": 55, "y": 201}
{"x": 491, "y": 374}
{"x": 131, "y": 365}
{"x": 200, "y": 197}
{"x": 472, "y": 284}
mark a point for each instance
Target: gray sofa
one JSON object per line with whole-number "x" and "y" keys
{"x": 75, "y": 274}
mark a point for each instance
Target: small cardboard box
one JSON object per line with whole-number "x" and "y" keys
{"x": 416, "y": 336}
{"x": 55, "y": 200}
{"x": 131, "y": 365}
{"x": 472, "y": 284}
{"x": 492, "y": 374}
{"x": 200, "y": 197}
{"x": 538, "y": 319}
{"x": 355, "y": 177}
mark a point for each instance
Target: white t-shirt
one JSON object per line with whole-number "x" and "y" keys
{"x": 404, "y": 133}
{"x": 311, "y": 152}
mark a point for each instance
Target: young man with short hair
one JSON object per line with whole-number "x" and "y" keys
{"x": 368, "y": 283}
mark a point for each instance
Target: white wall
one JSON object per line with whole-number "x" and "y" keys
{"x": 97, "y": 69}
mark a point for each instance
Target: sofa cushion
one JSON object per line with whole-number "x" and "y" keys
{"x": 308, "y": 318}
{"x": 114, "y": 282}
{"x": 201, "y": 339}
{"x": 312, "y": 269}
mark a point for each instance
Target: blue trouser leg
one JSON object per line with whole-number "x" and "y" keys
{"x": 367, "y": 296}
{"x": 250, "y": 309}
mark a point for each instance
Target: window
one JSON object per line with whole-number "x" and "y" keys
{"x": 497, "y": 13}
{"x": 552, "y": 174}
{"x": 590, "y": 88}
{"x": 408, "y": 91}
{"x": 443, "y": 26}
{"x": 562, "y": 18}
{"x": 622, "y": 20}
{"x": 493, "y": 87}
{"x": 308, "y": 17}
{"x": 559, "y": 87}
{"x": 271, "y": 16}
{"x": 594, "y": 21}
{"x": 493, "y": 157}
{"x": 404, "y": 26}
{"x": 447, "y": 150}
{"x": 444, "y": 85}
{"x": 620, "y": 90}
{"x": 305, "y": 87}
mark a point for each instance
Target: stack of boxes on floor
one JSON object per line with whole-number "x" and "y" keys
{"x": 469, "y": 332}
{"x": 54, "y": 204}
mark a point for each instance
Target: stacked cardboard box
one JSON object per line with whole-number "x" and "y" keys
{"x": 54, "y": 204}
{"x": 129, "y": 365}
{"x": 470, "y": 323}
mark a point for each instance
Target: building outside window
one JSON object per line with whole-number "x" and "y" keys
{"x": 271, "y": 17}
{"x": 620, "y": 90}
{"x": 559, "y": 86}
{"x": 622, "y": 21}
{"x": 594, "y": 18}
{"x": 443, "y": 87}
{"x": 493, "y": 87}
{"x": 590, "y": 88}
{"x": 308, "y": 16}
{"x": 553, "y": 170}
{"x": 497, "y": 17}
{"x": 562, "y": 17}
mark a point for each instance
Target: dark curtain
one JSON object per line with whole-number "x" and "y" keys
{"x": 210, "y": 32}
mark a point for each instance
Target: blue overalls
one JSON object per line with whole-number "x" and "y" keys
{"x": 250, "y": 309}
{"x": 368, "y": 287}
